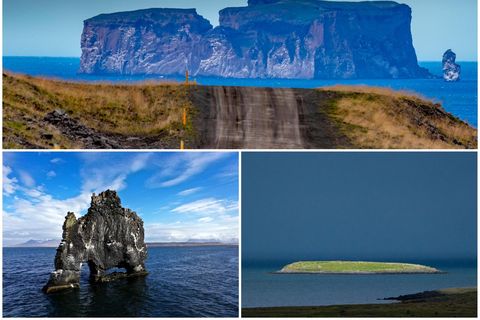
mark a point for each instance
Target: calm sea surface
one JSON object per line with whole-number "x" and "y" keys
{"x": 183, "y": 282}
{"x": 459, "y": 98}
{"x": 261, "y": 288}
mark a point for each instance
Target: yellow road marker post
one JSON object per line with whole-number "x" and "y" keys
{"x": 184, "y": 114}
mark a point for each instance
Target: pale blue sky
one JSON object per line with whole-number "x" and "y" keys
{"x": 53, "y": 27}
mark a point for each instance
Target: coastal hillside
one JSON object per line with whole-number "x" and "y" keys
{"x": 41, "y": 113}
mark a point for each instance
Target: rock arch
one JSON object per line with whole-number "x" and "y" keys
{"x": 108, "y": 236}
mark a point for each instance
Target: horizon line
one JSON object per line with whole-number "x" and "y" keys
{"x": 78, "y": 57}
{"x": 193, "y": 243}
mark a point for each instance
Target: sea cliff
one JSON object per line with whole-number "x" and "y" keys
{"x": 266, "y": 39}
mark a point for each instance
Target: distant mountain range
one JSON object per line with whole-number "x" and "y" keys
{"x": 53, "y": 243}
{"x": 189, "y": 244}
{"x": 38, "y": 244}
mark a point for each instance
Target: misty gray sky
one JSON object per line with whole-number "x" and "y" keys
{"x": 359, "y": 206}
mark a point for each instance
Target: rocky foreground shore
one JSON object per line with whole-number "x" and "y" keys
{"x": 456, "y": 302}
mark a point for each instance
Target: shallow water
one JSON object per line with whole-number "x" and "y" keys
{"x": 459, "y": 98}
{"x": 261, "y": 288}
{"x": 183, "y": 282}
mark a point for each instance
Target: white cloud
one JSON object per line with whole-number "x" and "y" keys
{"x": 9, "y": 184}
{"x": 56, "y": 160}
{"x": 140, "y": 162}
{"x": 26, "y": 179}
{"x": 39, "y": 216}
{"x": 182, "y": 167}
{"x": 100, "y": 176}
{"x": 224, "y": 229}
{"x": 207, "y": 206}
{"x": 51, "y": 174}
{"x": 229, "y": 171}
{"x": 35, "y": 214}
{"x": 32, "y": 213}
{"x": 188, "y": 192}
{"x": 205, "y": 219}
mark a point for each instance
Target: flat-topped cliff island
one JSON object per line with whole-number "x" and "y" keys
{"x": 355, "y": 267}
{"x": 290, "y": 39}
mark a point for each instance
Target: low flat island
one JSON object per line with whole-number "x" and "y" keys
{"x": 355, "y": 267}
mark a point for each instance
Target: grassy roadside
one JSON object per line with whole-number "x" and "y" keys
{"x": 149, "y": 115}
{"x": 129, "y": 110}
{"x": 380, "y": 118}
{"x": 447, "y": 303}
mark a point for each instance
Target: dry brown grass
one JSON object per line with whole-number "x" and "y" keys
{"x": 142, "y": 109}
{"x": 379, "y": 118}
{"x": 382, "y": 91}
{"x": 138, "y": 109}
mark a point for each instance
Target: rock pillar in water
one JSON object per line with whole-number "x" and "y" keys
{"x": 451, "y": 70}
{"x": 108, "y": 236}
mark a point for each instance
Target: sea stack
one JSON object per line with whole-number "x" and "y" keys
{"x": 451, "y": 70}
{"x": 288, "y": 39}
{"x": 108, "y": 236}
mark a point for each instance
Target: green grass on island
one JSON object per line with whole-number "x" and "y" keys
{"x": 355, "y": 267}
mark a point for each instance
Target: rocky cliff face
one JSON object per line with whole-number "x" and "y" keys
{"x": 451, "y": 70}
{"x": 108, "y": 236}
{"x": 266, "y": 39}
{"x": 159, "y": 41}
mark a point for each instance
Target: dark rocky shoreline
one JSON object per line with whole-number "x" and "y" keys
{"x": 455, "y": 302}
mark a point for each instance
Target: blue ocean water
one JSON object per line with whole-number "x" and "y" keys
{"x": 183, "y": 282}
{"x": 261, "y": 288}
{"x": 458, "y": 98}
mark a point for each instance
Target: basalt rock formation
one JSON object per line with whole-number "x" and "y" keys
{"x": 108, "y": 236}
{"x": 451, "y": 70}
{"x": 267, "y": 39}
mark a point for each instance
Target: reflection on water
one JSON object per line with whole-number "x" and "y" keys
{"x": 100, "y": 299}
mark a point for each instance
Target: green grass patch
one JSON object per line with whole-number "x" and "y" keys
{"x": 355, "y": 267}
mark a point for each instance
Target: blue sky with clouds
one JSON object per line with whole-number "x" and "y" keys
{"x": 180, "y": 196}
{"x": 53, "y": 27}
